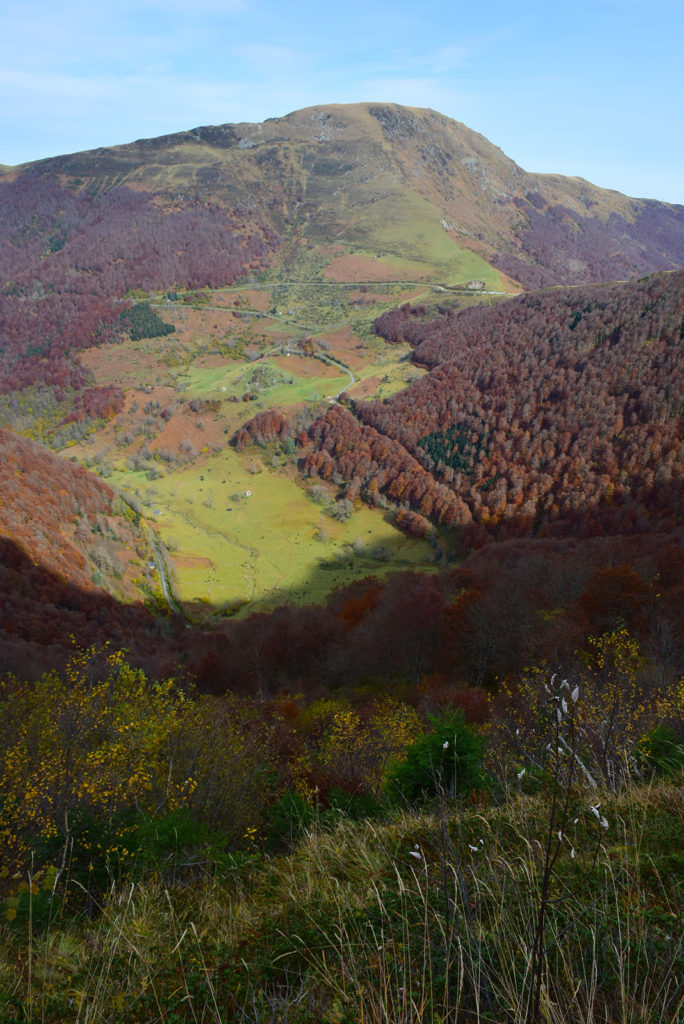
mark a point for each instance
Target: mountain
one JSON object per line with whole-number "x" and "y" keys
{"x": 203, "y": 207}
{"x": 155, "y": 296}
{"x": 386, "y": 176}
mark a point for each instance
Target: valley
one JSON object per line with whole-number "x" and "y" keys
{"x": 239, "y": 328}
{"x": 290, "y": 346}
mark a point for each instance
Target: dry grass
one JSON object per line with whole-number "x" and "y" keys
{"x": 353, "y": 926}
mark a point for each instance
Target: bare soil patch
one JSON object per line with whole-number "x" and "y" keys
{"x": 211, "y": 361}
{"x": 120, "y": 365}
{"x": 344, "y": 344}
{"x": 365, "y": 388}
{"x": 191, "y": 562}
{"x": 301, "y": 366}
{"x": 259, "y": 299}
{"x": 185, "y": 427}
{"x": 352, "y": 267}
{"x": 190, "y": 321}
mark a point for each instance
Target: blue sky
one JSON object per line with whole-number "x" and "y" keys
{"x": 593, "y": 89}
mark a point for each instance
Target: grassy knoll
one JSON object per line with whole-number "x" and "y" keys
{"x": 309, "y": 381}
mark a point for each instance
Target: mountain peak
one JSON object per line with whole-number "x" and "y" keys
{"x": 402, "y": 180}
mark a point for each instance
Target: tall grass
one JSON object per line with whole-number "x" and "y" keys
{"x": 420, "y": 918}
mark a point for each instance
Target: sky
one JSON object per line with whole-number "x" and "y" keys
{"x": 592, "y": 89}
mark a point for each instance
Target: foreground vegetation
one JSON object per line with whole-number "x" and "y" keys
{"x": 399, "y": 920}
{"x": 172, "y": 857}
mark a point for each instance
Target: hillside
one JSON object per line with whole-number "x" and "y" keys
{"x": 76, "y": 566}
{"x": 67, "y": 519}
{"x": 339, "y": 183}
{"x": 301, "y": 287}
{"x": 555, "y": 413}
{"x": 373, "y": 174}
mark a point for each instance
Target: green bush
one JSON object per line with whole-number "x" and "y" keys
{"x": 176, "y": 845}
{"x": 288, "y": 818}
{"x": 662, "y": 752}
{"x": 447, "y": 760}
{"x": 352, "y": 806}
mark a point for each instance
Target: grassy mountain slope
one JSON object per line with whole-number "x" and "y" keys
{"x": 402, "y": 180}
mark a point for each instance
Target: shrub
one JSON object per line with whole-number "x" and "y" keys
{"x": 288, "y": 818}
{"x": 661, "y": 752}
{"x": 101, "y": 769}
{"x": 176, "y": 845}
{"x": 447, "y": 760}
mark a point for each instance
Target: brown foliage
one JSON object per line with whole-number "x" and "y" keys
{"x": 68, "y": 257}
{"x": 555, "y": 414}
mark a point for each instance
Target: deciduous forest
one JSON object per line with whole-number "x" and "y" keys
{"x": 554, "y": 414}
{"x": 69, "y": 255}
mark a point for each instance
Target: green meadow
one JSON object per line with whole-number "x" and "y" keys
{"x": 222, "y": 521}
{"x": 275, "y": 388}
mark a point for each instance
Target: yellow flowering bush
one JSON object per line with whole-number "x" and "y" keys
{"x": 90, "y": 755}
{"x": 358, "y": 745}
{"x": 68, "y": 741}
{"x": 617, "y": 706}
